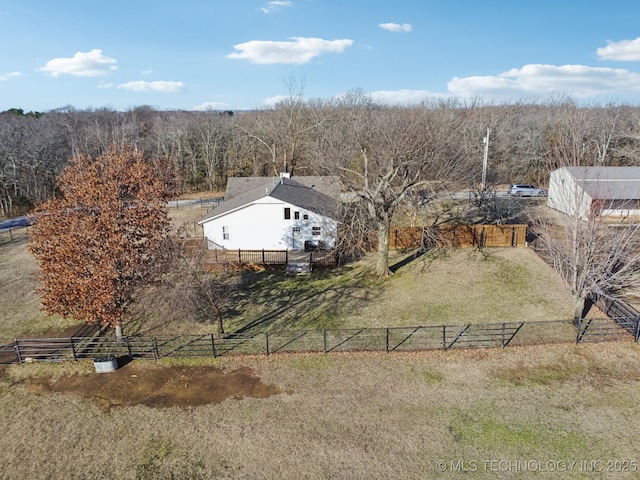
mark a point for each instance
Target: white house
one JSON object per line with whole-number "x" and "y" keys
{"x": 585, "y": 191}
{"x": 275, "y": 213}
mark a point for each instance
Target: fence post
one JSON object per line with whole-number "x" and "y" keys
{"x": 503, "y": 327}
{"x": 444, "y": 336}
{"x": 387, "y": 340}
{"x": 213, "y": 345}
{"x": 266, "y": 341}
{"x": 239, "y": 256}
{"x": 17, "y": 347}
{"x": 73, "y": 350}
{"x": 156, "y": 353}
{"x": 324, "y": 341}
{"x": 513, "y": 236}
{"x": 126, "y": 339}
{"x": 579, "y": 328}
{"x": 637, "y": 328}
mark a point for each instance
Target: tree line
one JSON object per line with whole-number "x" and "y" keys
{"x": 101, "y": 180}
{"x": 320, "y": 137}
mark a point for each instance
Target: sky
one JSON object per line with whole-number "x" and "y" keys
{"x": 247, "y": 54}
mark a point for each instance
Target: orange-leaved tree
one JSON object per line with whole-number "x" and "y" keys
{"x": 106, "y": 235}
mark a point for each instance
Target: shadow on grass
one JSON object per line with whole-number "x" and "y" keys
{"x": 309, "y": 302}
{"x": 407, "y": 260}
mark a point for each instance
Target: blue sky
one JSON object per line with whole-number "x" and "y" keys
{"x": 243, "y": 54}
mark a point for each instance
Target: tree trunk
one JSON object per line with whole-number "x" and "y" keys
{"x": 219, "y": 324}
{"x": 119, "y": 334}
{"x": 219, "y": 318}
{"x": 382, "y": 265}
{"x": 579, "y": 304}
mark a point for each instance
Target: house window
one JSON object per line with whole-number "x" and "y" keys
{"x": 316, "y": 231}
{"x": 287, "y": 213}
{"x": 296, "y": 229}
{"x": 305, "y": 216}
{"x": 225, "y": 233}
{"x": 296, "y": 215}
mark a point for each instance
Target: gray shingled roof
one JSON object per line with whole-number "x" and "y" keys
{"x": 329, "y": 185}
{"x": 285, "y": 189}
{"x": 608, "y": 183}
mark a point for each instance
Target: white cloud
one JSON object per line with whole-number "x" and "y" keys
{"x": 297, "y": 51}
{"x": 395, "y": 27}
{"x": 208, "y": 106}
{"x": 532, "y": 80}
{"x": 148, "y": 71}
{"x": 271, "y": 101}
{"x": 82, "y": 64}
{"x": 9, "y": 75}
{"x": 159, "y": 86}
{"x": 275, "y": 6}
{"x": 105, "y": 84}
{"x": 626, "y": 50}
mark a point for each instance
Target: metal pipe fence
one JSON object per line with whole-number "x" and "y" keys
{"x": 386, "y": 339}
{"x": 13, "y": 233}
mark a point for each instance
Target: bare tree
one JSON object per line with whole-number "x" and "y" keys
{"x": 204, "y": 291}
{"x": 284, "y": 130}
{"x": 384, "y": 153}
{"x": 214, "y": 132}
{"x": 597, "y": 255}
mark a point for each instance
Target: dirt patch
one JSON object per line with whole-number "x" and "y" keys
{"x": 162, "y": 386}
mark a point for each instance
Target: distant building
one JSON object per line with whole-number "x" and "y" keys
{"x": 585, "y": 191}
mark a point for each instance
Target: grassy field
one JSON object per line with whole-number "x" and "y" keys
{"x": 561, "y": 411}
{"x": 554, "y": 411}
{"x": 442, "y": 287}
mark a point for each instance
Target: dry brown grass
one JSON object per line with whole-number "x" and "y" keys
{"x": 184, "y": 220}
{"x": 493, "y": 285}
{"x": 445, "y": 287}
{"x": 20, "y": 309}
{"x": 346, "y": 416}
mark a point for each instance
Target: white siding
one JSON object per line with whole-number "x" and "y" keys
{"x": 566, "y": 195}
{"x": 261, "y": 225}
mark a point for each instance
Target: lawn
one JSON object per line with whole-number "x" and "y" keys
{"x": 557, "y": 409}
{"x": 441, "y": 287}
{"x": 425, "y": 415}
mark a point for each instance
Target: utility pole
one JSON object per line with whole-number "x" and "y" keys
{"x": 484, "y": 160}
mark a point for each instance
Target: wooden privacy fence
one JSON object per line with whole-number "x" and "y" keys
{"x": 400, "y": 238}
{"x": 457, "y": 236}
{"x": 484, "y": 236}
{"x": 389, "y": 339}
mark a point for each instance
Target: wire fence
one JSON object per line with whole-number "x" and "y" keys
{"x": 195, "y": 203}
{"x": 389, "y": 340}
